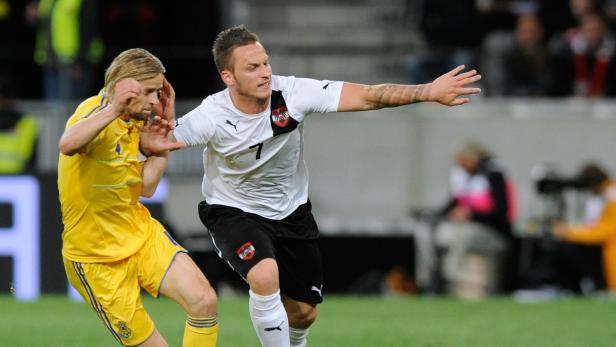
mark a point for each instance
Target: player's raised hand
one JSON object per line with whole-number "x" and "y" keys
{"x": 155, "y": 137}
{"x": 128, "y": 98}
{"x": 166, "y": 106}
{"x": 451, "y": 88}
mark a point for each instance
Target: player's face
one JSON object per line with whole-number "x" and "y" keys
{"x": 151, "y": 89}
{"x": 252, "y": 73}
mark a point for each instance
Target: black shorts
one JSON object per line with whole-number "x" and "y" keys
{"x": 243, "y": 239}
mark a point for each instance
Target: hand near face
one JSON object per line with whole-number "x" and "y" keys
{"x": 155, "y": 137}
{"x": 166, "y": 106}
{"x": 451, "y": 88}
{"x": 128, "y": 98}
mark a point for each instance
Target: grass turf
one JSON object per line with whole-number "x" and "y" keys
{"x": 343, "y": 321}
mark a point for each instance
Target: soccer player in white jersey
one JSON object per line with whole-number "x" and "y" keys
{"x": 255, "y": 185}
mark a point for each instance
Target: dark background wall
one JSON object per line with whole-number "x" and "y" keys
{"x": 180, "y": 33}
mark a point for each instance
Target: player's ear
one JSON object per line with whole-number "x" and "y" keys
{"x": 227, "y": 77}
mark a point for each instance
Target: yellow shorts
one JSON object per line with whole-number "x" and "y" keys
{"x": 114, "y": 289}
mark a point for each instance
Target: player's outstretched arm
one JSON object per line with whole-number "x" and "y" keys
{"x": 126, "y": 100}
{"x": 449, "y": 89}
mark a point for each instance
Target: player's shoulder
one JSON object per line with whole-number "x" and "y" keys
{"x": 91, "y": 103}
{"x": 216, "y": 101}
{"x": 283, "y": 83}
{"x": 89, "y": 106}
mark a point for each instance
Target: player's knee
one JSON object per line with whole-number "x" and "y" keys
{"x": 303, "y": 318}
{"x": 263, "y": 278}
{"x": 203, "y": 303}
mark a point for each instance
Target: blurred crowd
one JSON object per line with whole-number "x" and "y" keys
{"x": 523, "y": 48}
{"x": 57, "y": 49}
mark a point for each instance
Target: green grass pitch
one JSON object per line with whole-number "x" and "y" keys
{"x": 344, "y": 321}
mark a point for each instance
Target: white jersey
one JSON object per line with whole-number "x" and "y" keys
{"x": 255, "y": 162}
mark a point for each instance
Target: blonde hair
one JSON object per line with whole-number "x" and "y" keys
{"x": 134, "y": 63}
{"x": 475, "y": 150}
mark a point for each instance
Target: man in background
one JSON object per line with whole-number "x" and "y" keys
{"x": 599, "y": 230}
{"x": 18, "y": 134}
{"x": 476, "y": 231}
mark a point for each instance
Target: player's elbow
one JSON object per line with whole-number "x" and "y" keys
{"x": 66, "y": 147}
{"x": 147, "y": 192}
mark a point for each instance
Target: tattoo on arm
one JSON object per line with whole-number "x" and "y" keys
{"x": 418, "y": 90}
{"x": 391, "y": 95}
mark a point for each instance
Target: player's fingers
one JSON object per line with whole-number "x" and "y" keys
{"x": 128, "y": 84}
{"x": 471, "y": 79}
{"x": 466, "y": 91}
{"x": 456, "y": 70}
{"x": 466, "y": 74}
{"x": 168, "y": 87}
{"x": 459, "y": 101}
{"x": 176, "y": 145}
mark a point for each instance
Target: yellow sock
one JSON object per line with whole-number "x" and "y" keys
{"x": 200, "y": 332}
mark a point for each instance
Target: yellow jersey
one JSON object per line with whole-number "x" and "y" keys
{"x": 99, "y": 192}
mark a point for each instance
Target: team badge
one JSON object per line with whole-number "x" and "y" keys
{"x": 118, "y": 149}
{"x": 123, "y": 330}
{"x": 280, "y": 116}
{"x": 246, "y": 251}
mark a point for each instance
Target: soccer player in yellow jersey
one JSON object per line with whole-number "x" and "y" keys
{"x": 112, "y": 247}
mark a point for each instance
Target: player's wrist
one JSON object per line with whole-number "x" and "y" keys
{"x": 145, "y": 152}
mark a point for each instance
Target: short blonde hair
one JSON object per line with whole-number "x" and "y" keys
{"x": 475, "y": 150}
{"x": 134, "y": 63}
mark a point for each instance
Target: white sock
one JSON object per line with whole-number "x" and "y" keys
{"x": 269, "y": 319}
{"x": 298, "y": 337}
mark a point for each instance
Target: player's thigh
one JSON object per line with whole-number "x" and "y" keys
{"x": 113, "y": 291}
{"x": 155, "y": 259}
{"x": 155, "y": 340}
{"x": 186, "y": 285}
{"x": 301, "y": 269}
{"x": 239, "y": 238}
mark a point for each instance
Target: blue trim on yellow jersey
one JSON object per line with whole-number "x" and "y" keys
{"x": 166, "y": 271}
{"x": 93, "y": 302}
{"x": 104, "y": 102}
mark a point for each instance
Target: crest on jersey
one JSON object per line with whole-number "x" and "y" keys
{"x": 246, "y": 251}
{"x": 123, "y": 330}
{"x": 280, "y": 118}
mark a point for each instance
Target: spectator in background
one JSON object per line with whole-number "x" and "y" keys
{"x": 599, "y": 230}
{"x": 18, "y": 134}
{"x": 67, "y": 46}
{"x": 582, "y": 60}
{"x": 517, "y": 62}
{"x": 560, "y": 16}
{"x": 476, "y": 232}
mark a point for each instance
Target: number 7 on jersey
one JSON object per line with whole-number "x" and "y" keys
{"x": 260, "y": 146}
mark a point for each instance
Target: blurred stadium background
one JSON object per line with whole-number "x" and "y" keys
{"x": 372, "y": 174}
